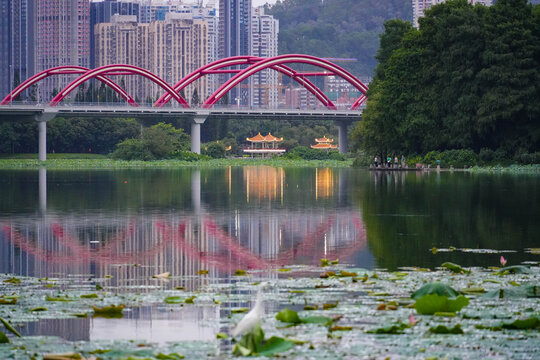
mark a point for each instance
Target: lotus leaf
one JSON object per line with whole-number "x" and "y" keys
{"x": 3, "y": 338}
{"x": 288, "y": 316}
{"x": 174, "y": 300}
{"x": 8, "y": 300}
{"x": 89, "y": 296}
{"x": 516, "y": 269}
{"x": 530, "y": 323}
{"x": 9, "y": 327}
{"x": 172, "y": 356}
{"x": 394, "y": 329}
{"x": 240, "y": 272}
{"x": 441, "y": 329}
{"x": 275, "y": 345}
{"x": 435, "y": 288}
{"x": 432, "y": 303}
{"x": 455, "y": 268}
{"x": 113, "y": 311}
{"x": 527, "y": 291}
{"x": 291, "y": 317}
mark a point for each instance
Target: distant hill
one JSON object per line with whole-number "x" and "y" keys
{"x": 337, "y": 28}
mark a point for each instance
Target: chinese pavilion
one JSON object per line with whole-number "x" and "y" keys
{"x": 324, "y": 144}
{"x": 264, "y": 145}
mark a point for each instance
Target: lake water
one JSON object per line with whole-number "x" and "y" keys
{"x": 118, "y": 228}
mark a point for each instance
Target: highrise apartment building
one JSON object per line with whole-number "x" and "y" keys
{"x": 103, "y": 11}
{"x": 16, "y": 43}
{"x": 234, "y": 33}
{"x": 419, "y": 6}
{"x": 264, "y": 84}
{"x": 62, "y": 38}
{"x": 171, "y": 49}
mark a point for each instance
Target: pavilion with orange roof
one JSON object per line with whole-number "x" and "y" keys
{"x": 264, "y": 145}
{"x": 324, "y": 144}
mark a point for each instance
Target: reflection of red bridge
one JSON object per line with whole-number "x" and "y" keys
{"x": 233, "y": 257}
{"x": 254, "y": 65}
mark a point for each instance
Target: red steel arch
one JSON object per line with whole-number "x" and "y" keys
{"x": 64, "y": 70}
{"x": 285, "y": 59}
{"x": 117, "y": 69}
{"x": 216, "y": 66}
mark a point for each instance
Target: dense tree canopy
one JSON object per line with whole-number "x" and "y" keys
{"x": 469, "y": 77}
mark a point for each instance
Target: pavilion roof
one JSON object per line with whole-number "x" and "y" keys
{"x": 324, "y": 139}
{"x": 256, "y": 138}
{"x": 267, "y": 138}
{"x": 324, "y": 146}
{"x": 272, "y": 138}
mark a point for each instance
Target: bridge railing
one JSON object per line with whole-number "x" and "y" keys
{"x": 78, "y": 104}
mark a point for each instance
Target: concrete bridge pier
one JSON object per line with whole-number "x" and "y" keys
{"x": 42, "y": 133}
{"x": 196, "y": 132}
{"x": 342, "y": 135}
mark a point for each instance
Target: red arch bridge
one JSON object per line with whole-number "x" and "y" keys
{"x": 240, "y": 68}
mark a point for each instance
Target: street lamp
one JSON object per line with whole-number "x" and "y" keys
{"x": 237, "y": 101}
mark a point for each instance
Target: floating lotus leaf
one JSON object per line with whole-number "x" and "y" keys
{"x": 455, "y": 268}
{"x": 433, "y": 303}
{"x": 394, "y": 329}
{"x": 526, "y": 291}
{"x": 3, "y": 338}
{"x": 525, "y": 324}
{"x": 435, "y": 288}
{"x": 516, "y": 269}
{"x": 441, "y": 329}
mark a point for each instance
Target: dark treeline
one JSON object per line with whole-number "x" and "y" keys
{"x": 468, "y": 78}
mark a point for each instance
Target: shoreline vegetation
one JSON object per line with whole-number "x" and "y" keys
{"x": 95, "y": 161}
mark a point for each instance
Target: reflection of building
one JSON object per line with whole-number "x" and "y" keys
{"x": 263, "y": 182}
{"x": 324, "y": 144}
{"x": 324, "y": 183}
{"x": 264, "y": 145}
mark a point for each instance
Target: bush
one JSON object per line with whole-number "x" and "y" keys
{"x": 188, "y": 156}
{"x": 306, "y": 153}
{"x": 156, "y": 142}
{"x": 527, "y": 158}
{"x": 214, "y": 150}
{"x": 291, "y": 156}
{"x": 133, "y": 149}
{"x": 452, "y": 158}
{"x": 362, "y": 160}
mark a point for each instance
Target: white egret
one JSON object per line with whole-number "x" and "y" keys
{"x": 252, "y": 318}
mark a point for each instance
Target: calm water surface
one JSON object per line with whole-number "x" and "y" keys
{"x": 92, "y": 224}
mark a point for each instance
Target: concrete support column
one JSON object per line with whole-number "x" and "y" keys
{"x": 42, "y": 149}
{"x": 42, "y": 133}
{"x": 343, "y": 136}
{"x": 196, "y": 132}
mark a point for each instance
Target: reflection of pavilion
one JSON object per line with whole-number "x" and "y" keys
{"x": 264, "y": 182}
{"x": 264, "y": 145}
{"x": 324, "y": 183}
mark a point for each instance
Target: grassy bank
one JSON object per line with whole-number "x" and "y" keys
{"x": 104, "y": 163}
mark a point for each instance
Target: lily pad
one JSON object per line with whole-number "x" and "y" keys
{"x": 8, "y": 300}
{"x": 275, "y": 345}
{"x": 435, "y": 289}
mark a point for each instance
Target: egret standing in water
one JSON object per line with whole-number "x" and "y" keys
{"x": 252, "y": 318}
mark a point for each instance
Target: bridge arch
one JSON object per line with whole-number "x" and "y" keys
{"x": 216, "y": 66}
{"x": 64, "y": 70}
{"x": 286, "y": 59}
{"x": 117, "y": 69}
